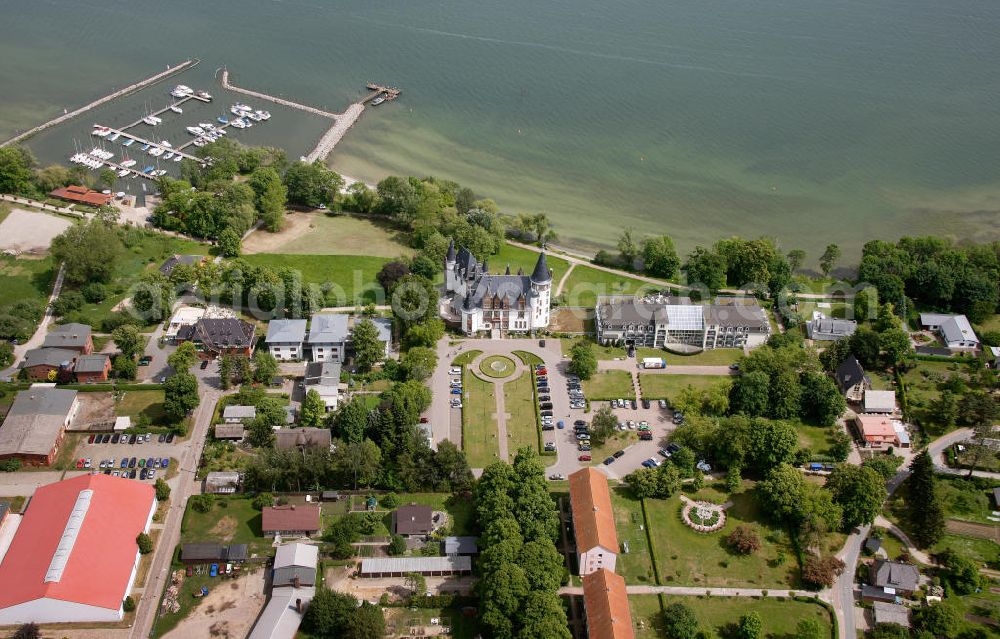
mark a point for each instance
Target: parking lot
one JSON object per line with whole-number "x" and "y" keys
{"x": 142, "y": 459}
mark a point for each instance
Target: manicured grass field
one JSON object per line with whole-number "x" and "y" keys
{"x": 497, "y": 366}
{"x": 717, "y": 616}
{"x": 818, "y": 439}
{"x": 689, "y": 558}
{"x": 518, "y": 257}
{"x": 25, "y": 278}
{"x": 347, "y": 280}
{"x": 465, "y": 358}
{"x": 479, "y": 428}
{"x": 609, "y": 385}
{"x": 666, "y": 386}
{"x": 143, "y": 402}
{"x": 345, "y": 235}
{"x": 232, "y": 520}
{"x": 586, "y": 284}
{"x": 714, "y": 357}
{"x": 637, "y": 564}
{"x": 528, "y": 359}
{"x": 522, "y": 425}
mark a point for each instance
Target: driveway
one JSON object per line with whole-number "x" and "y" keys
{"x": 43, "y": 327}
{"x": 158, "y": 367}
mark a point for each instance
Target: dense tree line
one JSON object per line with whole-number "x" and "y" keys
{"x": 335, "y": 615}
{"x": 520, "y": 566}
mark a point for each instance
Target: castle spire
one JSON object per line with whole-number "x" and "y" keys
{"x": 451, "y": 251}
{"x": 507, "y": 272}
{"x": 541, "y": 274}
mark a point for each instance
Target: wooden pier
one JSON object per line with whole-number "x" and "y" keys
{"x": 390, "y": 93}
{"x": 139, "y": 140}
{"x": 187, "y": 64}
{"x": 135, "y": 173}
{"x": 167, "y": 108}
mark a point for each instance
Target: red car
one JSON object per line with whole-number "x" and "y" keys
{"x": 584, "y": 458}
{"x": 541, "y": 371}
{"x": 90, "y": 440}
{"x": 423, "y": 420}
{"x": 189, "y": 571}
{"x": 79, "y": 463}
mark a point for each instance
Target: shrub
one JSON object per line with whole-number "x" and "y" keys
{"x": 389, "y": 501}
{"x": 129, "y": 604}
{"x": 262, "y": 500}
{"x": 145, "y": 543}
{"x": 162, "y": 489}
{"x": 95, "y": 292}
{"x": 201, "y": 503}
{"x": 397, "y": 546}
{"x": 10, "y": 465}
{"x": 744, "y": 540}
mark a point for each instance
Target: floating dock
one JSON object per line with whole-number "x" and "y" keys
{"x": 179, "y": 102}
{"x": 151, "y": 143}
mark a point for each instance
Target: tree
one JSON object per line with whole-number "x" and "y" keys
{"x": 840, "y": 445}
{"x": 367, "y": 348}
{"x": 6, "y": 354}
{"x": 390, "y": 273}
{"x": 643, "y": 482}
{"x": 128, "y": 340}
{"x": 16, "y": 171}
{"x": 865, "y": 344}
{"x": 734, "y": 478}
{"x": 751, "y": 626}
{"x": 602, "y": 425}
{"x": 145, "y": 543}
{"x": 128, "y": 604}
{"x": 270, "y": 196}
{"x": 89, "y": 252}
{"x": 424, "y": 334}
{"x": 184, "y": 357}
{"x": 795, "y": 259}
{"x": 397, "y": 546}
{"x": 962, "y": 573}
{"x": 668, "y": 481}
{"x": 744, "y": 540}
{"x": 326, "y": 614}
{"x": 30, "y": 630}
{"x": 941, "y": 620}
{"x": 944, "y": 409}
{"x": 162, "y": 490}
{"x": 680, "y": 622}
{"x": 705, "y": 268}
{"x": 628, "y": 249}
{"x": 830, "y": 256}
{"x": 230, "y": 243}
{"x": 313, "y": 409}
{"x": 822, "y": 572}
{"x": 750, "y": 394}
{"x": 418, "y": 363}
{"x": 924, "y": 508}
{"x": 202, "y": 503}
{"x": 895, "y": 343}
{"x": 822, "y": 402}
{"x": 583, "y": 362}
{"x": 262, "y": 501}
{"x": 866, "y": 303}
{"x": 660, "y": 257}
{"x": 684, "y": 461}
{"x": 265, "y": 367}
{"x": 415, "y": 583}
{"x": 808, "y": 628}
{"x": 226, "y": 371}
{"x": 153, "y": 298}
{"x": 860, "y": 492}
{"x": 358, "y": 460}
{"x": 180, "y": 396}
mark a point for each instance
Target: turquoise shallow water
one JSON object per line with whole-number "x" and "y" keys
{"x": 808, "y": 121}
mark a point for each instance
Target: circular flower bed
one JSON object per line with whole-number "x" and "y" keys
{"x": 703, "y": 516}
{"x": 497, "y": 366}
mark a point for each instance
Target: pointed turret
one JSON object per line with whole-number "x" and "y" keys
{"x": 468, "y": 301}
{"x": 520, "y": 271}
{"x": 451, "y": 252}
{"x": 507, "y": 272}
{"x": 541, "y": 274}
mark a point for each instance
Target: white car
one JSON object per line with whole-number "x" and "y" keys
{"x": 557, "y": 476}
{"x": 455, "y": 371}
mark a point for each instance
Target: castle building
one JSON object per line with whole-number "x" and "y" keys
{"x": 476, "y": 300}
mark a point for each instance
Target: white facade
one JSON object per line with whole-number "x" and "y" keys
{"x": 593, "y": 559}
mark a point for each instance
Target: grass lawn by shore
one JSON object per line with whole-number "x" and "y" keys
{"x": 717, "y": 616}
{"x": 348, "y": 280}
{"x": 518, "y": 257}
{"x": 636, "y": 565}
{"x": 522, "y": 425}
{"x": 689, "y": 558}
{"x": 332, "y": 235}
{"x": 586, "y": 284}
{"x": 25, "y": 279}
{"x": 666, "y": 386}
{"x": 611, "y": 384}
{"x": 479, "y": 428}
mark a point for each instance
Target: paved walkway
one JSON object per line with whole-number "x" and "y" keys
{"x": 501, "y": 414}
{"x": 43, "y": 327}
{"x": 911, "y": 548}
{"x": 697, "y": 591}
{"x": 633, "y": 366}
{"x": 40, "y": 205}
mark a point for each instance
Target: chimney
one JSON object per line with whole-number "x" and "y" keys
{"x": 298, "y": 606}
{"x": 296, "y": 583}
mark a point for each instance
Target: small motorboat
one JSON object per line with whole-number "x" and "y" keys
{"x": 123, "y": 173}
{"x": 145, "y": 147}
{"x": 128, "y": 142}
{"x": 177, "y": 158}
{"x": 176, "y": 109}
{"x": 204, "y": 95}
{"x": 222, "y": 119}
{"x": 168, "y": 155}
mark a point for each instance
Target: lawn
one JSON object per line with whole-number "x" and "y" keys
{"x": 818, "y": 439}
{"x": 465, "y": 358}
{"x": 666, "y": 386}
{"x": 602, "y": 352}
{"x": 830, "y": 309}
{"x": 991, "y": 324}
{"x": 232, "y": 520}
{"x": 586, "y": 284}
{"x": 518, "y": 257}
{"x": 148, "y": 403}
{"x": 891, "y": 544}
{"x": 609, "y": 385}
{"x": 718, "y": 616}
{"x": 460, "y": 510}
{"x": 347, "y": 280}
{"x": 922, "y": 388}
{"x": 400, "y": 621}
{"x": 714, "y": 357}
{"x": 479, "y": 427}
{"x": 522, "y": 425}
{"x": 618, "y": 441}
{"x": 528, "y": 359}
{"x": 636, "y": 565}
{"x": 25, "y": 279}
{"x": 497, "y": 366}
{"x": 687, "y": 558}
{"x": 336, "y": 235}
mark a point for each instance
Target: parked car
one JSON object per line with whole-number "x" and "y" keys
{"x": 115, "y": 438}
{"x": 546, "y": 405}
{"x": 663, "y": 403}
{"x": 132, "y": 462}
{"x": 579, "y": 422}
{"x": 204, "y": 364}
{"x": 618, "y": 453}
{"x": 583, "y": 447}
{"x": 548, "y": 427}
{"x": 145, "y": 360}
{"x": 214, "y": 570}
{"x": 90, "y": 440}
{"x": 550, "y": 446}
{"x": 189, "y": 571}
{"x": 582, "y": 436}
{"x": 734, "y": 367}
{"x": 649, "y": 463}
{"x": 170, "y": 438}
{"x": 645, "y": 403}
{"x": 142, "y": 462}
{"x": 456, "y": 391}
{"x": 646, "y": 436}
{"x": 609, "y": 460}
{"x": 124, "y": 463}
{"x": 673, "y": 448}
{"x": 131, "y": 474}
{"x": 634, "y": 405}
{"x": 557, "y": 477}
{"x": 165, "y": 462}
{"x": 583, "y": 458}
{"x": 561, "y": 424}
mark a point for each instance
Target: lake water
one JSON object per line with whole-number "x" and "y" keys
{"x": 814, "y": 122}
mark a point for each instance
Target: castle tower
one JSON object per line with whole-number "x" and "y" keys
{"x": 449, "y": 268}
{"x": 541, "y": 285}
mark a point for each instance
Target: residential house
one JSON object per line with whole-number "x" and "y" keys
{"x": 223, "y": 482}
{"x": 880, "y": 401}
{"x": 460, "y": 546}
{"x": 955, "y": 330}
{"x": 172, "y": 262}
{"x": 662, "y": 322}
{"x": 851, "y": 379}
{"x": 285, "y": 338}
{"x": 222, "y": 336}
{"x": 293, "y": 586}
{"x": 327, "y": 341}
{"x": 324, "y": 378}
{"x": 605, "y": 601}
{"x": 301, "y": 520}
{"x": 183, "y": 316}
{"x": 876, "y": 430}
{"x": 476, "y": 300}
{"x": 36, "y": 424}
{"x": 994, "y": 357}
{"x": 828, "y": 329}
{"x": 302, "y": 438}
{"x": 381, "y": 567}
{"x": 92, "y": 369}
{"x": 74, "y": 337}
{"x": 231, "y": 432}
{"x": 894, "y": 577}
{"x": 49, "y": 364}
{"x": 593, "y": 521}
{"x": 414, "y": 520}
{"x": 239, "y": 414}
{"x": 384, "y": 326}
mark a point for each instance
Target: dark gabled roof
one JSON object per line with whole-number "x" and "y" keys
{"x": 286, "y": 438}
{"x": 175, "y": 260}
{"x": 48, "y": 357}
{"x": 202, "y": 552}
{"x": 541, "y": 273}
{"x": 895, "y": 574}
{"x": 68, "y": 336}
{"x": 849, "y": 373}
{"x": 413, "y": 519}
{"x": 96, "y": 363}
{"x": 222, "y": 333}
{"x": 466, "y": 261}
{"x": 286, "y": 576}
{"x": 451, "y": 251}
